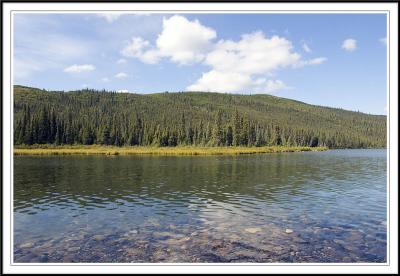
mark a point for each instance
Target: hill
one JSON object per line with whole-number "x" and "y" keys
{"x": 186, "y": 118}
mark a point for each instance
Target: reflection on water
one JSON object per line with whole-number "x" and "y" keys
{"x": 289, "y": 207}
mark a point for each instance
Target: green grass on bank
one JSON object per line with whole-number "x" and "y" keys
{"x": 139, "y": 150}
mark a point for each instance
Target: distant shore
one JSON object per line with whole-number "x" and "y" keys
{"x": 140, "y": 150}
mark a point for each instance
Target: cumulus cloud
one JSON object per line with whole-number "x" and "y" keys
{"x": 275, "y": 85}
{"x": 215, "y": 81}
{"x": 141, "y": 49}
{"x": 121, "y": 75}
{"x": 110, "y": 17}
{"x": 253, "y": 54}
{"x": 105, "y": 79}
{"x": 79, "y": 68}
{"x": 235, "y": 66}
{"x": 122, "y": 91}
{"x": 136, "y": 47}
{"x": 349, "y": 44}
{"x": 181, "y": 40}
{"x": 218, "y": 81}
{"x": 184, "y": 41}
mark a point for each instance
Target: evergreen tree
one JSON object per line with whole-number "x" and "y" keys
{"x": 106, "y": 137}
{"x": 173, "y": 119}
{"x": 229, "y": 136}
{"x": 217, "y": 134}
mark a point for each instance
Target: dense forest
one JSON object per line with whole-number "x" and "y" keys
{"x": 186, "y": 118}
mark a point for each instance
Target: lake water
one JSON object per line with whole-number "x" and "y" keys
{"x": 287, "y": 207}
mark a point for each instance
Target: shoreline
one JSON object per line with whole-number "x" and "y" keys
{"x": 143, "y": 150}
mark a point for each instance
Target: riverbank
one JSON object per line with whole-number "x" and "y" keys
{"x": 138, "y": 150}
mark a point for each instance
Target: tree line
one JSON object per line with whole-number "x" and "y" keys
{"x": 171, "y": 119}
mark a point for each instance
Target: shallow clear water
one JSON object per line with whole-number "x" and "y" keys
{"x": 288, "y": 207}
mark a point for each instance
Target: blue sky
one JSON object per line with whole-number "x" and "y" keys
{"x": 336, "y": 60}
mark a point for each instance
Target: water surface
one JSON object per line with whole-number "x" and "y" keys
{"x": 284, "y": 207}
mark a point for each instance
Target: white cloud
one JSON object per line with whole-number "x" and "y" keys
{"x": 238, "y": 66}
{"x": 253, "y": 54}
{"x": 122, "y": 91}
{"x": 105, "y": 79}
{"x": 349, "y": 44}
{"x": 121, "y": 61}
{"x": 317, "y": 60}
{"x": 383, "y": 40}
{"x": 184, "y": 41}
{"x": 217, "y": 81}
{"x": 150, "y": 56}
{"x": 235, "y": 66}
{"x": 141, "y": 49}
{"x": 306, "y": 48}
{"x": 79, "y": 68}
{"x": 181, "y": 40}
{"x": 135, "y": 47}
{"x": 121, "y": 75}
{"x": 275, "y": 85}
{"x": 110, "y": 17}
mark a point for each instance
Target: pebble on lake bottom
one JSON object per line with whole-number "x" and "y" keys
{"x": 253, "y": 230}
{"x": 26, "y": 245}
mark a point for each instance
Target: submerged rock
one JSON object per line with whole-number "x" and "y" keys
{"x": 253, "y": 230}
{"x": 44, "y": 258}
{"x": 288, "y": 231}
{"x": 46, "y": 245}
{"x": 26, "y": 245}
{"x": 73, "y": 249}
{"x": 163, "y": 234}
{"x": 99, "y": 237}
{"x": 185, "y": 239}
{"x": 235, "y": 237}
{"x": 175, "y": 241}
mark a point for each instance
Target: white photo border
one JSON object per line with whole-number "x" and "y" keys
{"x": 390, "y": 9}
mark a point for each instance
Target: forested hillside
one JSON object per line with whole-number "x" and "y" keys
{"x": 189, "y": 118}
